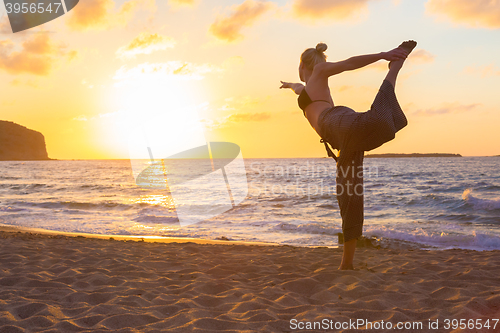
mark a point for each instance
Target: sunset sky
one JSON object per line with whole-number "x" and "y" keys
{"x": 87, "y": 78}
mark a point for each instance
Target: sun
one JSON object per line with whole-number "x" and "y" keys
{"x": 158, "y": 117}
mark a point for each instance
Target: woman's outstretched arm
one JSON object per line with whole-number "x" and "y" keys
{"x": 296, "y": 87}
{"x": 333, "y": 68}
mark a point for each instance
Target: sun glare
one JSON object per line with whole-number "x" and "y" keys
{"x": 158, "y": 115}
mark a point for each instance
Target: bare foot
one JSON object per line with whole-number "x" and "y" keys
{"x": 346, "y": 267}
{"x": 408, "y": 46}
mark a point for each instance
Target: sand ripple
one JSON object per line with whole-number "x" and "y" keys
{"x": 66, "y": 284}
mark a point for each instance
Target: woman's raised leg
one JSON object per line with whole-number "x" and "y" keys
{"x": 395, "y": 66}
{"x": 394, "y": 71}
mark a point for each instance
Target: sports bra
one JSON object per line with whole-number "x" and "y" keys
{"x": 304, "y": 100}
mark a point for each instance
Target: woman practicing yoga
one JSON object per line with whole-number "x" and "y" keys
{"x": 351, "y": 133}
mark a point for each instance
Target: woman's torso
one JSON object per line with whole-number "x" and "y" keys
{"x": 321, "y": 100}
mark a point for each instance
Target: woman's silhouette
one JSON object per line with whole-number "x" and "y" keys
{"x": 352, "y": 133}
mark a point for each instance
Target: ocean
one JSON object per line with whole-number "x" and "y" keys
{"x": 429, "y": 203}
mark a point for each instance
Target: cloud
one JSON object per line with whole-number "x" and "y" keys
{"x": 41, "y": 44}
{"x": 421, "y": 56}
{"x": 483, "y": 71}
{"x": 128, "y": 9}
{"x": 29, "y": 83}
{"x": 37, "y": 56}
{"x": 90, "y": 14}
{"x": 343, "y": 88}
{"x": 332, "y": 9}
{"x": 477, "y": 13}
{"x": 447, "y": 108}
{"x": 178, "y": 3}
{"x": 5, "y": 25}
{"x": 235, "y": 118}
{"x": 98, "y": 14}
{"x": 182, "y": 2}
{"x": 145, "y": 44}
{"x": 231, "y": 104}
{"x": 244, "y": 15}
{"x": 80, "y": 118}
{"x": 233, "y": 62}
{"x": 245, "y": 117}
{"x": 71, "y": 55}
{"x": 100, "y": 115}
{"x": 159, "y": 72}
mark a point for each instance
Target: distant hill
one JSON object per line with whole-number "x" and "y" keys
{"x": 412, "y": 155}
{"x": 18, "y": 143}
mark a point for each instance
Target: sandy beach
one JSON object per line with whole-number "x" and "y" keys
{"x": 60, "y": 283}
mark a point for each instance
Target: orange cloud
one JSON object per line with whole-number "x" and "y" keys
{"x": 128, "y": 9}
{"x": 333, "y": 9}
{"x": 421, "y": 56}
{"x": 182, "y": 2}
{"x": 244, "y": 117}
{"x": 245, "y": 15}
{"x": 343, "y": 88}
{"x": 41, "y": 44}
{"x": 483, "y": 71}
{"x": 232, "y": 119}
{"x": 145, "y": 44}
{"x": 478, "y": 13}
{"x": 5, "y": 25}
{"x": 90, "y": 14}
{"x": 73, "y": 54}
{"x": 447, "y": 108}
{"x": 98, "y": 14}
{"x": 38, "y": 55}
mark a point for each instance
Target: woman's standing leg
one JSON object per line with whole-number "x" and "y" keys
{"x": 350, "y": 198}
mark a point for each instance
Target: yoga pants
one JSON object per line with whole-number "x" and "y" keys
{"x": 353, "y": 133}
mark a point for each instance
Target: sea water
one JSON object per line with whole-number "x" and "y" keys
{"x": 427, "y": 202}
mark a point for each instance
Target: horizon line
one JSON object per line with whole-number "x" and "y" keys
{"x": 122, "y": 159}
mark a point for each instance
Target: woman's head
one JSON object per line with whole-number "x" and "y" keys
{"x": 310, "y": 58}
{"x": 313, "y": 56}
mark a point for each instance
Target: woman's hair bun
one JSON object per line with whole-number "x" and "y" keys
{"x": 321, "y": 47}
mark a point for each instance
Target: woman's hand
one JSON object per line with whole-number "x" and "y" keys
{"x": 285, "y": 85}
{"x": 296, "y": 87}
{"x": 396, "y": 54}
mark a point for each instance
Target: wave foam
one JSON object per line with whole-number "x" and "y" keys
{"x": 479, "y": 203}
{"x": 448, "y": 237}
{"x": 308, "y": 228}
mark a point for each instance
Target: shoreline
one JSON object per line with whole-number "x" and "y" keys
{"x": 147, "y": 239}
{"x": 363, "y": 242}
